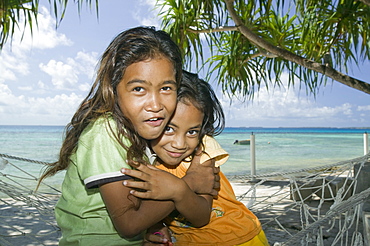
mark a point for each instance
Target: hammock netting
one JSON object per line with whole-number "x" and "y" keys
{"x": 326, "y": 205}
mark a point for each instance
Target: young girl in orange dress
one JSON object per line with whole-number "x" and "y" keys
{"x": 197, "y": 118}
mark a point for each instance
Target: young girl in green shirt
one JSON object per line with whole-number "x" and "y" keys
{"x": 131, "y": 101}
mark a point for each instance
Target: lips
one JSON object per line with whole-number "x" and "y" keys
{"x": 155, "y": 122}
{"x": 175, "y": 154}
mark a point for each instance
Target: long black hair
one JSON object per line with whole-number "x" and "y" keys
{"x": 128, "y": 47}
{"x": 200, "y": 93}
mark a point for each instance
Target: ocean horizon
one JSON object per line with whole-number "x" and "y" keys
{"x": 277, "y": 149}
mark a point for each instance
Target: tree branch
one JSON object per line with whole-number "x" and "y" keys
{"x": 367, "y": 2}
{"x": 285, "y": 54}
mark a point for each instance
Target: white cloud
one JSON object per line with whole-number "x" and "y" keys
{"x": 58, "y": 105}
{"x": 84, "y": 87}
{"x": 4, "y": 91}
{"x": 25, "y": 88}
{"x": 65, "y": 75}
{"x": 43, "y": 36}
{"x": 283, "y": 107}
{"x": 21, "y": 106}
{"x": 11, "y": 65}
{"x": 148, "y": 18}
{"x": 14, "y": 58}
{"x": 86, "y": 63}
{"x": 42, "y": 85}
{"x": 20, "y": 110}
{"x": 363, "y": 108}
{"x": 74, "y": 72}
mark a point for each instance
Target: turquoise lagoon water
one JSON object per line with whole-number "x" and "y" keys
{"x": 277, "y": 149}
{"x": 287, "y": 149}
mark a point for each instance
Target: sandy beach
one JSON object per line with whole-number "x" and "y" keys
{"x": 325, "y": 207}
{"x": 25, "y": 225}
{"x": 316, "y": 206}
{"x": 281, "y": 217}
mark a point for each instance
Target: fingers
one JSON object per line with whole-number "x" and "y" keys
{"x": 216, "y": 170}
{"x": 156, "y": 238}
{"x": 134, "y": 173}
{"x": 140, "y": 189}
{"x": 142, "y": 186}
{"x": 143, "y": 168}
{"x": 214, "y": 193}
{"x": 140, "y": 194}
{"x": 217, "y": 178}
{"x": 142, "y": 172}
{"x": 136, "y": 184}
{"x": 216, "y": 186}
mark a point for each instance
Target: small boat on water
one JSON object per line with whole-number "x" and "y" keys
{"x": 243, "y": 142}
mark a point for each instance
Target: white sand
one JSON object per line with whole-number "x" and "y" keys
{"x": 24, "y": 225}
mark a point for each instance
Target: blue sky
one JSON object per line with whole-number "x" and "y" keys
{"x": 45, "y": 77}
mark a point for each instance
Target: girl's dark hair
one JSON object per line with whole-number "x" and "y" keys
{"x": 200, "y": 93}
{"x": 131, "y": 46}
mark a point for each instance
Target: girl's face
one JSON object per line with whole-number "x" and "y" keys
{"x": 147, "y": 95}
{"x": 181, "y": 135}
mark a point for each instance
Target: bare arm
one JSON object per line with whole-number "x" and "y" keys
{"x": 160, "y": 185}
{"x": 123, "y": 207}
{"x": 129, "y": 214}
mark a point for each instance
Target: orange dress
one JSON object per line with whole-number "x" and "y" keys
{"x": 231, "y": 222}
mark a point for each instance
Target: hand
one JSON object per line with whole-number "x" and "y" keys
{"x": 158, "y": 235}
{"x": 157, "y": 184}
{"x": 203, "y": 178}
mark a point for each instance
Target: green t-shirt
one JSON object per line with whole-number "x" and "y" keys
{"x": 80, "y": 211}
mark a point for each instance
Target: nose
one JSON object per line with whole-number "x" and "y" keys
{"x": 178, "y": 142}
{"x": 154, "y": 103}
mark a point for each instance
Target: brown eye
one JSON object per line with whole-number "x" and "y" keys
{"x": 138, "y": 89}
{"x": 193, "y": 133}
{"x": 169, "y": 129}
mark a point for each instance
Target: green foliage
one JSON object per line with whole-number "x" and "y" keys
{"x": 332, "y": 33}
{"x": 59, "y": 7}
{"x": 11, "y": 13}
{"x": 14, "y": 13}
{"x": 179, "y": 16}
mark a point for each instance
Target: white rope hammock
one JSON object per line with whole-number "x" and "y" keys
{"x": 312, "y": 206}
